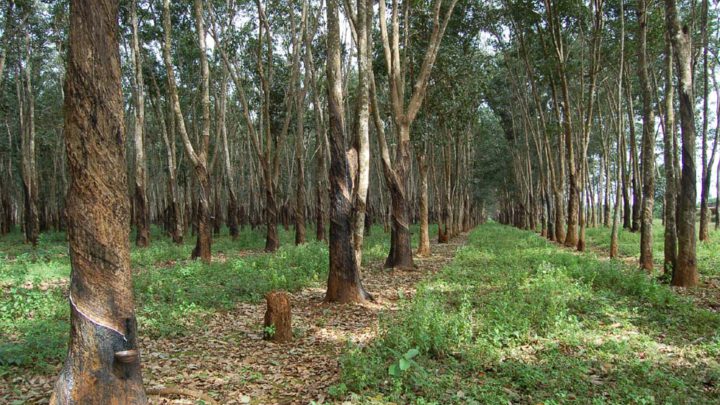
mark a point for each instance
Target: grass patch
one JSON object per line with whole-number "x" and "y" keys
{"x": 516, "y": 319}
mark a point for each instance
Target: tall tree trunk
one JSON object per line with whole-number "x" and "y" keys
{"x": 26, "y": 100}
{"x": 232, "y": 207}
{"x": 670, "y": 232}
{"x": 363, "y": 27}
{"x": 198, "y": 159}
{"x": 648, "y": 144}
{"x": 400, "y": 255}
{"x": 620, "y": 186}
{"x": 142, "y": 214}
{"x": 103, "y": 363}
{"x": 706, "y": 169}
{"x": 634, "y": 158}
{"x": 344, "y": 275}
{"x": 685, "y": 273}
{"x": 320, "y": 194}
{"x": 167, "y": 129}
{"x": 300, "y": 162}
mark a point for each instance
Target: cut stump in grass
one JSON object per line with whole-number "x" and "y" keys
{"x": 277, "y": 325}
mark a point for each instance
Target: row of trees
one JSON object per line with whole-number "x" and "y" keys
{"x": 226, "y": 102}
{"x": 226, "y": 105}
{"x": 584, "y": 83}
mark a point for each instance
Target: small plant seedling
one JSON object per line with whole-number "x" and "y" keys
{"x": 403, "y": 363}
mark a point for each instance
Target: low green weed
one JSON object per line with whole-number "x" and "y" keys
{"x": 516, "y": 319}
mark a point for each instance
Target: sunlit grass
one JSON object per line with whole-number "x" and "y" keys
{"x": 629, "y": 245}
{"x": 516, "y": 319}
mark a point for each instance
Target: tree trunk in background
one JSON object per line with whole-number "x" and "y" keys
{"x": 204, "y": 237}
{"x": 424, "y": 244}
{"x": 634, "y": 157}
{"x": 621, "y": 184}
{"x": 103, "y": 364}
{"x": 400, "y": 255}
{"x": 232, "y": 207}
{"x": 198, "y": 159}
{"x": 670, "y": 232}
{"x": 344, "y": 276}
{"x": 397, "y": 178}
{"x": 627, "y": 210}
{"x": 685, "y": 273}
{"x": 26, "y": 101}
{"x": 272, "y": 243}
{"x": 142, "y": 214}
{"x": 648, "y": 144}
{"x": 717, "y": 193}
{"x": 320, "y": 193}
{"x": 300, "y": 193}
{"x": 175, "y": 221}
{"x": 706, "y": 169}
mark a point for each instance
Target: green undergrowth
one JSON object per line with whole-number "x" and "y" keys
{"x": 708, "y": 252}
{"x": 516, "y": 319}
{"x": 173, "y": 294}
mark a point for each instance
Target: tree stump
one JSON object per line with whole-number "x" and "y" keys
{"x": 277, "y": 325}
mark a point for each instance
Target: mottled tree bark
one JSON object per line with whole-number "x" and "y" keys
{"x": 232, "y": 206}
{"x": 103, "y": 364}
{"x": 344, "y": 275}
{"x": 648, "y": 143}
{"x": 669, "y": 214}
{"x": 685, "y": 273}
{"x": 362, "y": 22}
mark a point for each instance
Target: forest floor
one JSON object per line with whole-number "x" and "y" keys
{"x": 201, "y": 325}
{"x": 498, "y": 316}
{"x": 230, "y": 360}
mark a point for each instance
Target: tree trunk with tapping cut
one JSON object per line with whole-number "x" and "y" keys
{"x": 103, "y": 363}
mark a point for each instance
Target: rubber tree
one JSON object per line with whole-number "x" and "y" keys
{"x": 397, "y": 174}
{"x": 360, "y": 18}
{"x": 648, "y": 142}
{"x": 199, "y": 157}
{"x": 685, "y": 273}
{"x": 142, "y": 212}
{"x": 103, "y": 364}
{"x": 344, "y": 275}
